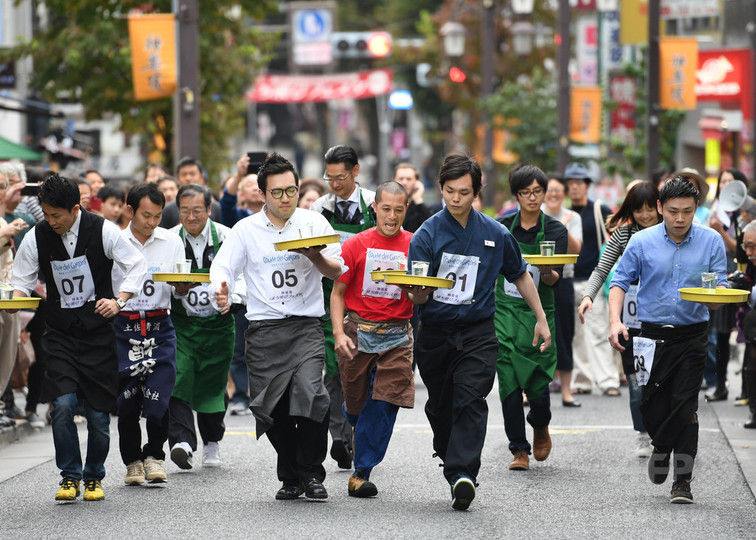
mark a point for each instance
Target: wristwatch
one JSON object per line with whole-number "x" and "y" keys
{"x": 121, "y": 303}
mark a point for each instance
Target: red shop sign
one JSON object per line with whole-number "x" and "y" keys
{"x": 315, "y": 88}
{"x": 723, "y": 75}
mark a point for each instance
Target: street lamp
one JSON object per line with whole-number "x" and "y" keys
{"x": 522, "y": 38}
{"x": 454, "y": 39}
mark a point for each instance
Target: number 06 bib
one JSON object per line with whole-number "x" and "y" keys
{"x": 463, "y": 271}
{"x": 73, "y": 279}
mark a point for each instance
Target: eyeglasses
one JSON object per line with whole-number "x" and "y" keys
{"x": 525, "y": 194}
{"x": 746, "y": 247}
{"x": 337, "y": 179}
{"x": 277, "y": 193}
{"x": 196, "y": 212}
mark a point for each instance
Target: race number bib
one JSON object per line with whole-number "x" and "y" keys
{"x": 643, "y": 357}
{"x": 381, "y": 259}
{"x": 73, "y": 279}
{"x": 197, "y": 301}
{"x": 630, "y": 308}
{"x": 510, "y": 289}
{"x": 153, "y": 295}
{"x": 282, "y": 275}
{"x": 463, "y": 271}
{"x": 344, "y": 236}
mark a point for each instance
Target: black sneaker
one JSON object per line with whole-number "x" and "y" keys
{"x": 680, "y": 493}
{"x": 463, "y": 493}
{"x": 360, "y": 487}
{"x": 658, "y": 467}
{"x": 341, "y": 454}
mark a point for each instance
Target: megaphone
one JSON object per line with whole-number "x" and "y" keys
{"x": 734, "y": 196}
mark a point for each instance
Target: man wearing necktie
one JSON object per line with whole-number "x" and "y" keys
{"x": 349, "y": 209}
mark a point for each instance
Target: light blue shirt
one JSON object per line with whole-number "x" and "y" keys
{"x": 662, "y": 267}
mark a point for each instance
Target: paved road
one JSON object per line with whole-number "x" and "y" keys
{"x": 591, "y": 486}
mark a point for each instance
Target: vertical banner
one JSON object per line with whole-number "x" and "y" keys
{"x": 585, "y": 114}
{"x": 634, "y": 17}
{"x": 678, "y": 62}
{"x": 153, "y": 55}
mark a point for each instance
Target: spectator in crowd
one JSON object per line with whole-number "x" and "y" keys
{"x": 310, "y": 190}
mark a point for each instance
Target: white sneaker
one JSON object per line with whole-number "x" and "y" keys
{"x": 134, "y": 473}
{"x": 643, "y": 447}
{"x": 181, "y": 455}
{"x": 211, "y": 457}
{"x": 153, "y": 471}
{"x": 238, "y": 409}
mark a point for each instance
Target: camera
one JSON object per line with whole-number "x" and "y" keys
{"x": 30, "y": 189}
{"x": 256, "y": 159}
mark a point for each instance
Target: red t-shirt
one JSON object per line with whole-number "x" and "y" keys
{"x": 372, "y": 300}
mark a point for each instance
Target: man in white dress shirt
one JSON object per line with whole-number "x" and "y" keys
{"x": 75, "y": 251}
{"x": 146, "y": 340}
{"x": 285, "y": 346}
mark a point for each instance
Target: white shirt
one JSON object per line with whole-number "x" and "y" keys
{"x": 574, "y": 227}
{"x": 161, "y": 251}
{"x": 354, "y": 200}
{"x": 116, "y": 247}
{"x": 202, "y": 240}
{"x": 249, "y": 249}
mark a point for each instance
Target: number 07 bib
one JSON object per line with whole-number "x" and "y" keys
{"x": 73, "y": 279}
{"x": 463, "y": 271}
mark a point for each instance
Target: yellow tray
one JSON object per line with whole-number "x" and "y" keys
{"x": 181, "y": 278}
{"x": 377, "y": 275}
{"x": 428, "y": 281}
{"x": 719, "y": 296}
{"x": 554, "y": 259}
{"x": 307, "y": 242}
{"x": 20, "y": 303}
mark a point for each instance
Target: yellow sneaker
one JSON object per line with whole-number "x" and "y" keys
{"x": 93, "y": 491}
{"x": 69, "y": 490}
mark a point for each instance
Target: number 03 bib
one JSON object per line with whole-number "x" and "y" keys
{"x": 463, "y": 271}
{"x": 73, "y": 279}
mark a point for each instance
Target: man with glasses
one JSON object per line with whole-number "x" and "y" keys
{"x": 349, "y": 209}
{"x": 205, "y": 338}
{"x": 285, "y": 347}
{"x": 520, "y": 366}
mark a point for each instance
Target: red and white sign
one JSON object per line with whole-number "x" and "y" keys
{"x": 622, "y": 118}
{"x": 680, "y": 9}
{"x": 315, "y": 88}
{"x": 723, "y": 75}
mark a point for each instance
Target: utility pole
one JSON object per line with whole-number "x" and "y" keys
{"x": 563, "y": 95}
{"x": 652, "y": 93}
{"x": 486, "y": 89}
{"x": 186, "y": 119}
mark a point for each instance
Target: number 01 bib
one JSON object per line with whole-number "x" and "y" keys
{"x": 463, "y": 271}
{"x": 73, "y": 279}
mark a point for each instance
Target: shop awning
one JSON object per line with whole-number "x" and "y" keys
{"x": 11, "y": 150}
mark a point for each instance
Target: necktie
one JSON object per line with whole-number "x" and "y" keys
{"x": 344, "y": 211}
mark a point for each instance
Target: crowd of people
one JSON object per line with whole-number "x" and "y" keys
{"x": 112, "y": 336}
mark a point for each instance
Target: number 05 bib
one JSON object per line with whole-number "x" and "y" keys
{"x": 281, "y": 274}
{"x": 463, "y": 271}
{"x": 73, "y": 279}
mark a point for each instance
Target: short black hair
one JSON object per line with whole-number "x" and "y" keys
{"x": 393, "y": 187}
{"x": 154, "y": 166}
{"x": 186, "y": 161}
{"x": 59, "y": 192}
{"x": 458, "y": 164}
{"x": 342, "y": 154}
{"x": 190, "y": 190}
{"x": 523, "y": 175}
{"x": 678, "y": 188}
{"x": 275, "y": 163}
{"x": 168, "y": 177}
{"x": 106, "y": 192}
{"x": 140, "y": 191}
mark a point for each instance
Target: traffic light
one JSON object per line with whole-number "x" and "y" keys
{"x": 457, "y": 75}
{"x": 361, "y": 44}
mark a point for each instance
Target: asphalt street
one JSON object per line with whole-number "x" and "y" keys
{"x": 592, "y": 486}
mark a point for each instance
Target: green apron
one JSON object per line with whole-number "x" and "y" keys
{"x": 331, "y": 362}
{"x": 519, "y": 364}
{"x": 204, "y": 349}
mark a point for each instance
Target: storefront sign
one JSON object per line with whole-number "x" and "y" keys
{"x": 622, "y": 118}
{"x": 721, "y": 74}
{"x": 678, "y": 58}
{"x": 585, "y": 114}
{"x": 316, "y": 88}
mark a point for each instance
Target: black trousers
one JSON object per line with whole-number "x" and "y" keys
{"x": 36, "y": 328}
{"x": 181, "y": 424}
{"x": 670, "y": 398}
{"x": 130, "y": 437}
{"x": 458, "y": 367}
{"x": 564, "y": 322}
{"x": 300, "y": 443}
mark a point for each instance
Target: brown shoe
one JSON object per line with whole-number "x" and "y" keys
{"x": 521, "y": 461}
{"x": 541, "y": 443}
{"x": 359, "y": 487}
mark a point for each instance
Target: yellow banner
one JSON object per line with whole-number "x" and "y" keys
{"x": 678, "y": 61}
{"x": 634, "y": 22}
{"x": 153, "y": 55}
{"x": 585, "y": 114}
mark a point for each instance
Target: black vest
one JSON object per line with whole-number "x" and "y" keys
{"x": 50, "y": 248}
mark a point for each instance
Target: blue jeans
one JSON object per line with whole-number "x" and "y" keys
{"x": 710, "y": 371}
{"x": 636, "y": 393}
{"x": 66, "y": 439}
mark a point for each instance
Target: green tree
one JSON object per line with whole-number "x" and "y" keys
{"x": 83, "y": 55}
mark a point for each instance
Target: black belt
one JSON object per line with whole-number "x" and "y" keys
{"x": 670, "y": 331}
